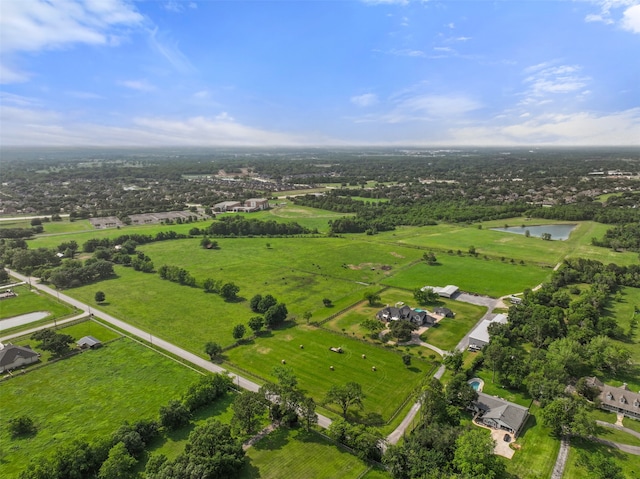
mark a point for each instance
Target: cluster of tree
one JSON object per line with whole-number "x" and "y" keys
{"x": 401, "y": 330}
{"x": 207, "y": 243}
{"x": 584, "y": 211}
{"x": 73, "y": 273}
{"x": 439, "y": 446}
{"x": 364, "y": 440}
{"x": 625, "y": 236}
{"x": 274, "y": 312}
{"x": 345, "y": 396}
{"x": 57, "y": 343}
{"x": 242, "y": 226}
{"x": 21, "y": 426}
{"x": 16, "y": 233}
{"x": 176, "y": 274}
{"x": 288, "y": 405}
{"x": 211, "y": 450}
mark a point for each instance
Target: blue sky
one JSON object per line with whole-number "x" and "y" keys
{"x": 344, "y": 73}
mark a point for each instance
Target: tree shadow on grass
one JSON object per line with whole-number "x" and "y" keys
{"x": 273, "y": 441}
{"x": 249, "y": 471}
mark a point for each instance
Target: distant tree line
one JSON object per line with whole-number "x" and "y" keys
{"x": 242, "y": 226}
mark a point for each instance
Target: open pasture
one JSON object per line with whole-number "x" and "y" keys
{"x": 444, "y": 237}
{"x": 87, "y": 396}
{"x": 302, "y": 455}
{"x": 385, "y": 388}
{"x": 487, "y": 277}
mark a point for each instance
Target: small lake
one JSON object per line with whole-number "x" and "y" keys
{"x": 22, "y": 319}
{"x": 557, "y": 232}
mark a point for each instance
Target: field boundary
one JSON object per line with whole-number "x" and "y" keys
{"x": 344, "y": 310}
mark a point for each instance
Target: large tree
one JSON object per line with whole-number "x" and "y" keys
{"x": 212, "y": 349}
{"x": 345, "y": 396}
{"x": 474, "y": 455}
{"x": 229, "y": 291}
{"x": 247, "y": 409}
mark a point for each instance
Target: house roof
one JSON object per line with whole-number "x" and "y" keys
{"x": 443, "y": 311}
{"x": 88, "y": 341}
{"x": 10, "y": 353}
{"x": 481, "y": 332}
{"x": 621, "y": 398}
{"x": 507, "y": 412}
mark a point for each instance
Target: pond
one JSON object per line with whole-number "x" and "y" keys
{"x": 22, "y": 319}
{"x": 557, "y": 232}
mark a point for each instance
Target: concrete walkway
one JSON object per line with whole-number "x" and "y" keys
{"x": 561, "y": 460}
{"x": 634, "y": 450}
{"x": 618, "y": 427}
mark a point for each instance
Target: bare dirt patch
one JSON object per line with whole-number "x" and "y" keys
{"x": 397, "y": 255}
{"x": 264, "y": 350}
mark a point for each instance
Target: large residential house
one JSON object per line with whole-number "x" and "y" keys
{"x": 12, "y": 357}
{"x": 497, "y": 413}
{"x": 418, "y": 317}
{"x": 619, "y": 400}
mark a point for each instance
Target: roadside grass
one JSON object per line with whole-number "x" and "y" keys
{"x": 448, "y": 332}
{"x": 537, "y": 455}
{"x": 302, "y": 455}
{"x": 487, "y": 277}
{"x": 633, "y": 424}
{"x": 27, "y": 301}
{"x": 376, "y": 473}
{"x": 87, "y": 396}
{"x": 629, "y": 463}
{"x": 616, "y": 435}
{"x": 385, "y": 388}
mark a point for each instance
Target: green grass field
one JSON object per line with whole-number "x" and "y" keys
{"x": 29, "y": 302}
{"x": 86, "y": 396}
{"x": 302, "y": 455}
{"x": 448, "y": 332}
{"x": 629, "y": 463}
{"x": 385, "y": 388}
{"x": 538, "y": 451}
{"x": 487, "y": 277}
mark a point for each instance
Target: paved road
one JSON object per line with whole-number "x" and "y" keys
{"x": 619, "y": 428}
{"x": 159, "y": 343}
{"x": 635, "y": 450}
{"x": 54, "y": 324}
{"x": 18, "y": 218}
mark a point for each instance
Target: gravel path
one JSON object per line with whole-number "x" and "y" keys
{"x": 561, "y": 460}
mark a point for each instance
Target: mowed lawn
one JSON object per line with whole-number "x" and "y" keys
{"x": 301, "y": 455}
{"x": 537, "y": 454}
{"x": 629, "y": 463}
{"x": 385, "y": 388}
{"x": 27, "y": 301}
{"x": 487, "y": 277}
{"x": 87, "y": 396}
{"x": 448, "y": 332}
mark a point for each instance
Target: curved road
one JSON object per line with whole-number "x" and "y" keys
{"x": 244, "y": 383}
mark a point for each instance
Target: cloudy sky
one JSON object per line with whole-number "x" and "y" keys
{"x": 312, "y": 72}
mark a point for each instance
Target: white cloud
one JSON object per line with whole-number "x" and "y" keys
{"x": 139, "y": 85}
{"x": 36, "y": 25}
{"x": 37, "y": 127}
{"x": 545, "y": 80}
{"x": 577, "y": 129}
{"x": 170, "y": 51}
{"x": 386, "y": 2}
{"x": 406, "y": 52}
{"x": 368, "y": 99}
{"x": 631, "y": 19}
{"x": 85, "y": 95}
{"x": 610, "y": 13}
{"x": 202, "y": 95}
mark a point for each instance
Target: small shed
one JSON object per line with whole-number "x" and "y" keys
{"x": 89, "y": 342}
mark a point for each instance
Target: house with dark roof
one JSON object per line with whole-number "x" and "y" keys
{"x": 405, "y": 313}
{"x": 12, "y": 357}
{"x": 498, "y": 413}
{"x": 89, "y": 342}
{"x": 620, "y": 400}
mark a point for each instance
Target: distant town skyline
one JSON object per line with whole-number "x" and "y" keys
{"x": 319, "y": 73}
